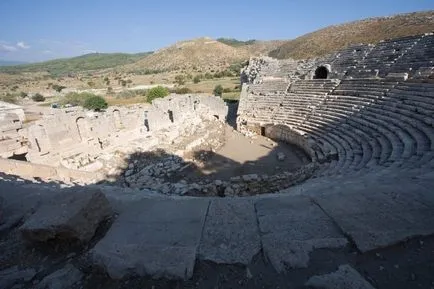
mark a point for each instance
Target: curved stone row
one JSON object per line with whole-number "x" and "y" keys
{"x": 360, "y": 124}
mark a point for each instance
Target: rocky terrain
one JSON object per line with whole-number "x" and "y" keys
{"x": 372, "y": 30}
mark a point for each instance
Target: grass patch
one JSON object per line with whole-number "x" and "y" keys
{"x": 235, "y": 95}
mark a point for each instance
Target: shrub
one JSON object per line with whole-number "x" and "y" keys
{"x": 57, "y": 87}
{"x": 95, "y": 102}
{"x": 38, "y": 97}
{"x": 75, "y": 98}
{"x": 196, "y": 79}
{"x": 157, "y": 92}
{"x": 11, "y": 98}
{"x": 23, "y": 94}
{"x": 218, "y": 90}
{"x": 208, "y": 75}
{"x": 180, "y": 79}
{"x": 182, "y": 90}
{"x": 226, "y": 90}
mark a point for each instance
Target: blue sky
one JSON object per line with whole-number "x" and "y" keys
{"x": 35, "y": 30}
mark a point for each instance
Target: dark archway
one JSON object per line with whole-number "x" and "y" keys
{"x": 321, "y": 73}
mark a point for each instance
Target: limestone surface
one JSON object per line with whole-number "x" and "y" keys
{"x": 74, "y": 215}
{"x": 381, "y": 215}
{"x": 344, "y": 278}
{"x": 292, "y": 227}
{"x": 64, "y": 278}
{"x": 159, "y": 238}
{"x": 231, "y": 233}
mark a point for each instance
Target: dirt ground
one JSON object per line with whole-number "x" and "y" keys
{"x": 241, "y": 155}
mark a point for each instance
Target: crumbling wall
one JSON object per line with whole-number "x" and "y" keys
{"x": 11, "y": 140}
{"x": 47, "y": 173}
{"x": 176, "y": 109}
{"x": 75, "y": 137}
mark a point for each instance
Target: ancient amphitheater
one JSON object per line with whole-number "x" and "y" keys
{"x": 103, "y": 200}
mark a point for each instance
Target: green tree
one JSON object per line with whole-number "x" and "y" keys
{"x": 95, "y": 102}
{"x": 218, "y": 90}
{"x": 157, "y": 92}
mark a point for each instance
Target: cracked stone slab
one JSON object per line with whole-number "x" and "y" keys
{"x": 231, "y": 232}
{"x": 153, "y": 237}
{"x": 64, "y": 278}
{"x": 72, "y": 215}
{"x": 382, "y": 216}
{"x": 291, "y": 227}
{"x": 15, "y": 275}
{"x": 345, "y": 277}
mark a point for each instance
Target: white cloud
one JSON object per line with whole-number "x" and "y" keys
{"x": 47, "y": 52}
{"x": 22, "y": 45}
{"x": 7, "y": 48}
{"x": 88, "y": 51}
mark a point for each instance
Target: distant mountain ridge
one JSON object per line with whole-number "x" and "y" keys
{"x": 87, "y": 62}
{"x": 371, "y": 30}
{"x": 11, "y": 62}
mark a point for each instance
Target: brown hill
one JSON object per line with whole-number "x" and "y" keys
{"x": 202, "y": 54}
{"x": 370, "y": 30}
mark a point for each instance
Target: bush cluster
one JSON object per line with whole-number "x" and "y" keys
{"x": 156, "y": 92}
{"x": 95, "y": 102}
{"x": 85, "y": 99}
{"x": 38, "y": 97}
{"x": 218, "y": 90}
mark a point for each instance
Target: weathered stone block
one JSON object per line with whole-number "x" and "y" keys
{"x": 69, "y": 216}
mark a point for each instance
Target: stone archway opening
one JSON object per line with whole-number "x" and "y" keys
{"x": 81, "y": 128}
{"x": 117, "y": 119}
{"x": 321, "y": 73}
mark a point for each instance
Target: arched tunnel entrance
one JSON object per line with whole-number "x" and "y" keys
{"x": 321, "y": 73}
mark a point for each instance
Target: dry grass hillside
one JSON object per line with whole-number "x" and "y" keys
{"x": 202, "y": 55}
{"x": 370, "y": 30}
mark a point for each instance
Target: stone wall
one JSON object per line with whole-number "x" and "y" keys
{"x": 69, "y": 132}
{"x": 285, "y": 134}
{"x": 11, "y": 139}
{"x": 30, "y": 171}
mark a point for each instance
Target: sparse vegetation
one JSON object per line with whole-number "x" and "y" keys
{"x": 182, "y": 90}
{"x": 157, "y": 92}
{"x": 197, "y": 79}
{"x": 58, "y": 87}
{"x": 76, "y": 99}
{"x": 9, "y": 97}
{"x": 180, "y": 79}
{"x": 373, "y": 30}
{"x": 86, "y": 62}
{"x": 234, "y": 42}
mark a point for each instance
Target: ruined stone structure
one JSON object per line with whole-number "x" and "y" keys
{"x": 360, "y": 108}
{"x": 359, "y": 216}
{"x": 11, "y": 136}
{"x": 74, "y": 138}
